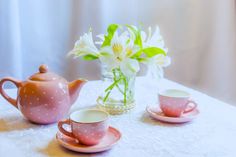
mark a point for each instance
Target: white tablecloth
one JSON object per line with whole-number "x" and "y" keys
{"x": 212, "y": 134}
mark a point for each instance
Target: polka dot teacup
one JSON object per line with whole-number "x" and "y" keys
{"x": 88, "y": 126}
{"x": 174, "y": 103}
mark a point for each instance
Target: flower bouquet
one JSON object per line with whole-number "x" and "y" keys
{"x": 120, "y": 51}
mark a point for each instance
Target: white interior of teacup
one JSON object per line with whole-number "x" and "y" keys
{"x": 89, "y": 116}
{"x": 174, "y": 93}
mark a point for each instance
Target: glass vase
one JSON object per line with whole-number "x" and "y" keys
{"x": 118, "y": 91}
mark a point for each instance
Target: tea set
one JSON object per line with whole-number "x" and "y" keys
{"x": 46, "y": 98}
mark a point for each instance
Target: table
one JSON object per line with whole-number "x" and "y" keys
{"x": 212, "y": 134}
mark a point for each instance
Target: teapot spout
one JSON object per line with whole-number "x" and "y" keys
{"x": 74, "y": 89}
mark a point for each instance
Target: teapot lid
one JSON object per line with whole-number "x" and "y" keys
{"x": 44, "y": 75}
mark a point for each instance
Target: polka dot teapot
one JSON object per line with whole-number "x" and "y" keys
{"x": 45, "y": 97}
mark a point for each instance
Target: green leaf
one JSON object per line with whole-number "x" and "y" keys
{"x": 141, "y": 59}
{"x": 89, "y": 57}
{"x": 104, "y": 54}
{"x": 137, "y": 54}
{"x": 152, "y": 51}
{"x": 106, "y": 42}
{"x": 137, "y": 33}
{"x": 111, "y": 30}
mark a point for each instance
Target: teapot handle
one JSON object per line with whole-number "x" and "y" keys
{"x": 4, "y": 94}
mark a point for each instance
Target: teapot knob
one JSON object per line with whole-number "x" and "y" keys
{"x": 43, "y": 68}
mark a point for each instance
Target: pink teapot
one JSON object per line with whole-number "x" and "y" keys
{"x": 45, "y": 97}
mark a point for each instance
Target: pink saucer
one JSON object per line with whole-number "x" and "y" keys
{"x": 156, "y": 113}
{"x": 110, "y": 139}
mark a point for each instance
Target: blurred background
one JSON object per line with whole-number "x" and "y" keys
{"x": 200, "y": 35}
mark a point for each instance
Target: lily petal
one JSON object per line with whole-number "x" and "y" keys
{"x": 84, "y": 46}
{"x": 109, "y": 61}
{"x": 162, "y": 60}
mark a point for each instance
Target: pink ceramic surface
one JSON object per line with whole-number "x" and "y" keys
{"x": 156, "y": 113}
{"x": 110, "y": 139}
{"x": 45, "y": 97}
{"x": 88, "y": 126}
{"x": 174, "y": 102}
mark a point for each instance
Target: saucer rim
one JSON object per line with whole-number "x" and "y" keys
{"x": 171, "y": 119}
{"x": 89, "y": 149}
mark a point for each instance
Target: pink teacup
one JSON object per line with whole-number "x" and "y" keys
{"x": 174, "y": 102}
{"x": 88, "y": 126}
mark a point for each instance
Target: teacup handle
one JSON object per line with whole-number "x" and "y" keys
{"x": 192, "y": 108}
{"x": 61, "y": 128}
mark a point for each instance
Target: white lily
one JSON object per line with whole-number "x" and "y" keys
{"x": 118, "y": 54}
{"x": 84, "y": 46}
{"x": 121, "y": 54}
{"x": 161, "y": 60}
{"x": 157, "y": 62}
{"x": 156, "y": 65}
{"x": 153, "y": 40}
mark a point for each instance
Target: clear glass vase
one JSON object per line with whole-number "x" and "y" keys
{"x": 118, "y": 92}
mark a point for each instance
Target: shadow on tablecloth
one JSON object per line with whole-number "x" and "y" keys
{"x": 53, "y": 149}
{"x": 14, "y": 123}
{"x": 149, "y": 120}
